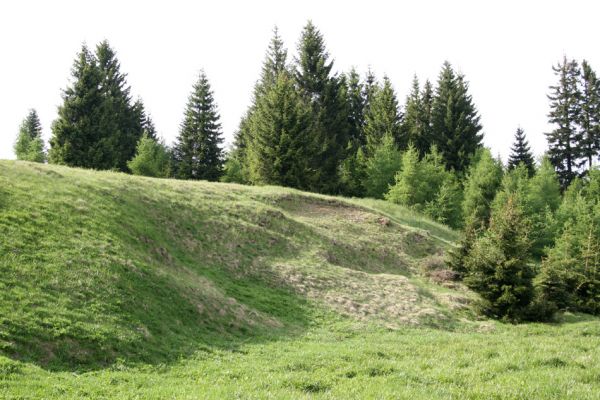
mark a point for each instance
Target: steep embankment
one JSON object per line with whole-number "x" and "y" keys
{"x": 100, "y": 266}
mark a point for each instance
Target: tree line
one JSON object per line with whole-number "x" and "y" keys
{"x": 530, "y": 230}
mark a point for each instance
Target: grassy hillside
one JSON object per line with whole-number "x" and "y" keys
{"x": 113, "y": 286}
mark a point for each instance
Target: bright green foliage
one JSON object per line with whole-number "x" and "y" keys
{"x": 497, "y": 264}
{"x": 197, "y": 152}
{"x": 455, "y": 121}
{"x": 590, "y": 114}
{"x": 521, "y": 153}
{"x": 381, "y": 168}
{"x": 416, "y": 123}
{"x": 275, "y": 63}
{"x": 29, "y": 145}
{"x": 353, "y": 173}
{"x": 329, "y": 123}
{"x": 564, "y": 148}
{"x": 281, "y": 146}
{"x": 543, "y": 199}
{"x": 426, "y": 186}
{"x": 152, "y": 158}
{"x": 570, "y": 275}
{"x": 383, "y": 117}
{"x": 483, "y": 180}
{"x": 446, "y": 205}
{"x": 233, "y": 171}
{"x": 515, "y": 185}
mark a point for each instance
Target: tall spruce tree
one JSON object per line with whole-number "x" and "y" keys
{"x": 565, "y": 113}
{"x": 120, "y": 116}
{"x": 278, "y": 151}
{"x": 78, "y": 137}
{"x": 590, "y": 114}
{"x": 145, "y": 121}
{"x": 455, "y": 121}
{"x": 497, "y": 264}
{"x": 98, "y": 126}
{"x": 521, "y": 153}
{"x": 197, "y": 152}
{"x": 427, "y": 97}
{"x": 415, "y": 124}
{"x": 275, "y": 63}
{"x": 356, "y": 109}
{"x": 383, "y": 117}
{"x": 29, "y": 145}
{"x": 323, "y": 91}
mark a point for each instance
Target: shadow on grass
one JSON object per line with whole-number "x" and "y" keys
{"x": 105, "y": 275}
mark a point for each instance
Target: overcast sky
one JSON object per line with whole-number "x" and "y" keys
{"x": 505, "y": 49}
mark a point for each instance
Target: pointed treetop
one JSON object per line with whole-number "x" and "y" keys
{"x": 313, "y": 67}
{"x": 275, "y": 59}
{"x": 521, "y": 153}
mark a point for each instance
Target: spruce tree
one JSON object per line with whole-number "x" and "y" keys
{"x": 29, "y": 145}
{"x": 427, "y": 97}
{"x": 543, "y": 199}
{"x": 482, "y": 182}
{"x": 590, "y": 114}
{"x": 280, "y": 145}
{"x": 565, "y": 113}
{"x": 120, "y": 119}
{"x": 570, "y": 275}
{"x": 497, "y": 265}
{"x": 521, "y": 153}
{"x": 78, "y": 135}
{"x": 356, "y": 109}
{"x": 324, "y": 92}
{"x": 144, "y": 120}
{"x": 197, "y": 152}
{"x": 381, "y": 167}
{"x": 415, "y": 125}
{"x": 426, "y": 186}
{"x": 97, "y": 126}
{"x": 151, "y": 158}
{"x": 275, "y": 63}
{"x": 383, "y": 117}
{"x": 455, "y": 121}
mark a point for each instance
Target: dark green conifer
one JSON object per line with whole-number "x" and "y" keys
{"x": 455, "y": 121}
{"x": 565, "y": 113}
{"x": 279, "y": 149}
{"x": 120, "y": 119}
{"x": 415, "y": 124}
{"x": 498, "y": 264}
{"x": 590, "y": 114}
{"x": 356, "y": 106}
{"x": 325, "y": 94}
{"x": 197, "y": 152}
{"x": 78, "y": 136}
{"x": 521, "y": 153}
{"x": 275, "y": 63}
{"x": 383, "y": 117}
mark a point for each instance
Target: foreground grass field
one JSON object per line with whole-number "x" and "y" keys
{"x": 113, "y": 286}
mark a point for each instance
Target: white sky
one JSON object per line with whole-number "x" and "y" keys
{"x": 505, "y": 49}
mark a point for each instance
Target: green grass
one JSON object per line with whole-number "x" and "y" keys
{"x": 113, "y": 286}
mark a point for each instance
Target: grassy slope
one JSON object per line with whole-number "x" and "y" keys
{"x": 155, "y": 288}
